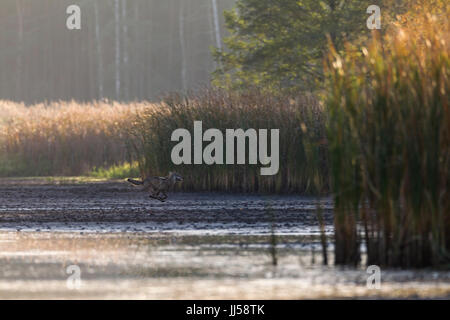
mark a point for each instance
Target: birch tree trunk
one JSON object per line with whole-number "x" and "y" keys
{"x": 117, "y": 50}
{"x": 125, "y": 49}
{"x": 182, "y": 46}
{"x": 99, "y": 52}
{"x": 217, "y": 24}
{"x": 19, "y": 61}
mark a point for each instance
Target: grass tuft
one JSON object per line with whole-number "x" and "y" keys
{"x": 125, "y": 170}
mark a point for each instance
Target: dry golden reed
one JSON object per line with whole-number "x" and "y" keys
{"x": 63, "y": 138}
{"x": 389, "y": 144}
{"x": 69, "y": 138}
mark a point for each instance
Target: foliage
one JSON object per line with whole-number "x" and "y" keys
{"x": 280, "y": 45}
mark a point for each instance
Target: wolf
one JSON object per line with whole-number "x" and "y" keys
{"x": 158, "y": 186}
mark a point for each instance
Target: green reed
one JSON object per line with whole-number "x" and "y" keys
{"x": 303, "y": 155}
{"x": 389, "y": 133}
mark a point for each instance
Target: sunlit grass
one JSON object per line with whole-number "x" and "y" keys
{"x": 125, "y": 170}
{"x": 100, "y": 140}
{"x": 65, "y": 138}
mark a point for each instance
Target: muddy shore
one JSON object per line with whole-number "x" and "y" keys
{"x": 117, "y": 207}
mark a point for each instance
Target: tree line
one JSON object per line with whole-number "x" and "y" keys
{"x": 125, "y": 50}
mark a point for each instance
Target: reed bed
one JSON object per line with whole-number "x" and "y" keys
{"x": 303, "y": 154}
{"x": 65, "y": 138}
{"x": 389, "y": 133}
{"x": 103, "y": 138}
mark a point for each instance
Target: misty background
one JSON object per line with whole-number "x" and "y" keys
{"x": 126, "y": 49}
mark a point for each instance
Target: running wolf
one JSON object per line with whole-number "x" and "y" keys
{"x": 158, "y": 186}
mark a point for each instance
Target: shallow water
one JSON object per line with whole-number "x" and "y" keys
{"x": 174, "y": 266}
{"x": 195, "y": 246}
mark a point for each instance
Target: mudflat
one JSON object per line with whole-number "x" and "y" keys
{"x": 194, "y": 246}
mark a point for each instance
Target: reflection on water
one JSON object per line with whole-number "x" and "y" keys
{"x": 195, "y": 246}
{"x": 173, "y": 265}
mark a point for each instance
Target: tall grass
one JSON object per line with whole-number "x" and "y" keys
{"x": 63, "y": 138}
{"x": 303, "y": 161}
{"x": 389, "y": 143}
{"x": 101, "y": 139}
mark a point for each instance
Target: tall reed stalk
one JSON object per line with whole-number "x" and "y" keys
{"x": 389, "y": 143}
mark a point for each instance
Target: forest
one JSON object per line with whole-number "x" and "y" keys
{"x": 126, "y": 50}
